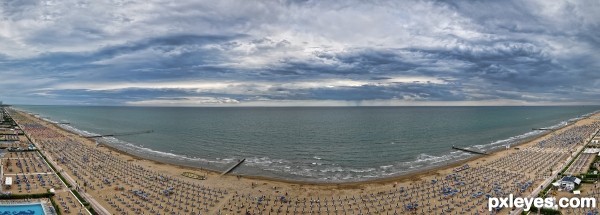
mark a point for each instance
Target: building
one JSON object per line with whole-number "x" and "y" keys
{"x": 8, "y": 182}
{"x": 569, "y": 182}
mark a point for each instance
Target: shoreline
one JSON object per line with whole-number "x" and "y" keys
{"x": 408, "y": 176}
{"x": 385, "y": 180}
{"x": 518, "y": 171}
{"x": 414, "y": 175}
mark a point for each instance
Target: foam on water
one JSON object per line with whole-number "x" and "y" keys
{"x": 509, "y": 141}
{"x": 324, "y": 172}
{"x": 315, "y": 167}
{"x": 75, "y": 130}
{"x": 329, "y": 172}
{"x": 139, "y": 149}
{"x": 147, "y": 151}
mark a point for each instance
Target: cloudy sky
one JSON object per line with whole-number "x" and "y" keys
{"x": 350, "y": 52}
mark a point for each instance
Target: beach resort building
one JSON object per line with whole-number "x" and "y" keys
{"x": 569, "y": 183}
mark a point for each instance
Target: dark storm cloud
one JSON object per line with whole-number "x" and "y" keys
{"x": 159, "y": 64}
{"x": 241, "y": 51}
{"x": 409, "y": 91}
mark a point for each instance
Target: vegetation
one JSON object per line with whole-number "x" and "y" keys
{"x": 86, "y": 204}
{"x": 27, "y": 196}
{"x": 545, "y": 211}
{"x": 92, "y": 211}
{"x": 545, "y": 191}
{"x": 79, "y": 197}
{"x": 56, "y": 208}
{"x": 57, "y": 172}
{"x": 589, "y": 178}
{"x": 570, "y": 162}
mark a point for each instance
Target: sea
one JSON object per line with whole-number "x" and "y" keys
{"x": 311, "y": 144}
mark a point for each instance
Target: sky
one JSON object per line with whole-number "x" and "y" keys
{"x": 299, "y": 53}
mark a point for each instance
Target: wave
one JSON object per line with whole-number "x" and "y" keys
{"x": 316, "y": 168}
{"x": 265, "y": 161}
{"x": 509, "y": 141}
{"x": 426, "y": 160}
{"x": 526, "y": 136}
{"x": 148, "y": 151}
{"x": 386, "y": 166}
{"x": 138, "y": 149}
{"x": 337, "y": 173}
{"x": 67, "y": 127}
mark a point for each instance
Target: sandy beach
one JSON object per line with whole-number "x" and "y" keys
{"x": 121, "y": 183}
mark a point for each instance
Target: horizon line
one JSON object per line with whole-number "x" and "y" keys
{"x": 292, "y": 106}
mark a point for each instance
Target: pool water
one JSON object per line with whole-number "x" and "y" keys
{"x": 32, "y": 209}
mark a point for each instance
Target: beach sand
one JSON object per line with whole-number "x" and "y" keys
{"x": 230, "y": 194}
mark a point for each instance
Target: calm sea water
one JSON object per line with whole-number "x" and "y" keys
{"x": 312, "y": 143}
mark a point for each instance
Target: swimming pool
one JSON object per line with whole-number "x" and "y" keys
{"x": 29, "y": 209}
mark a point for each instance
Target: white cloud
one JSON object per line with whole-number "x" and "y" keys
{"x": 475, "y": 44}
{"x": 227, "y": 102}
{"x": 241, "y": 87}
{"x": 184, "y": 101}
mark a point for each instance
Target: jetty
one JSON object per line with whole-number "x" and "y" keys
{"x": 469, "y": 150}
{"x": 233, "y": 167}
{"x": 120, "y": 134}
